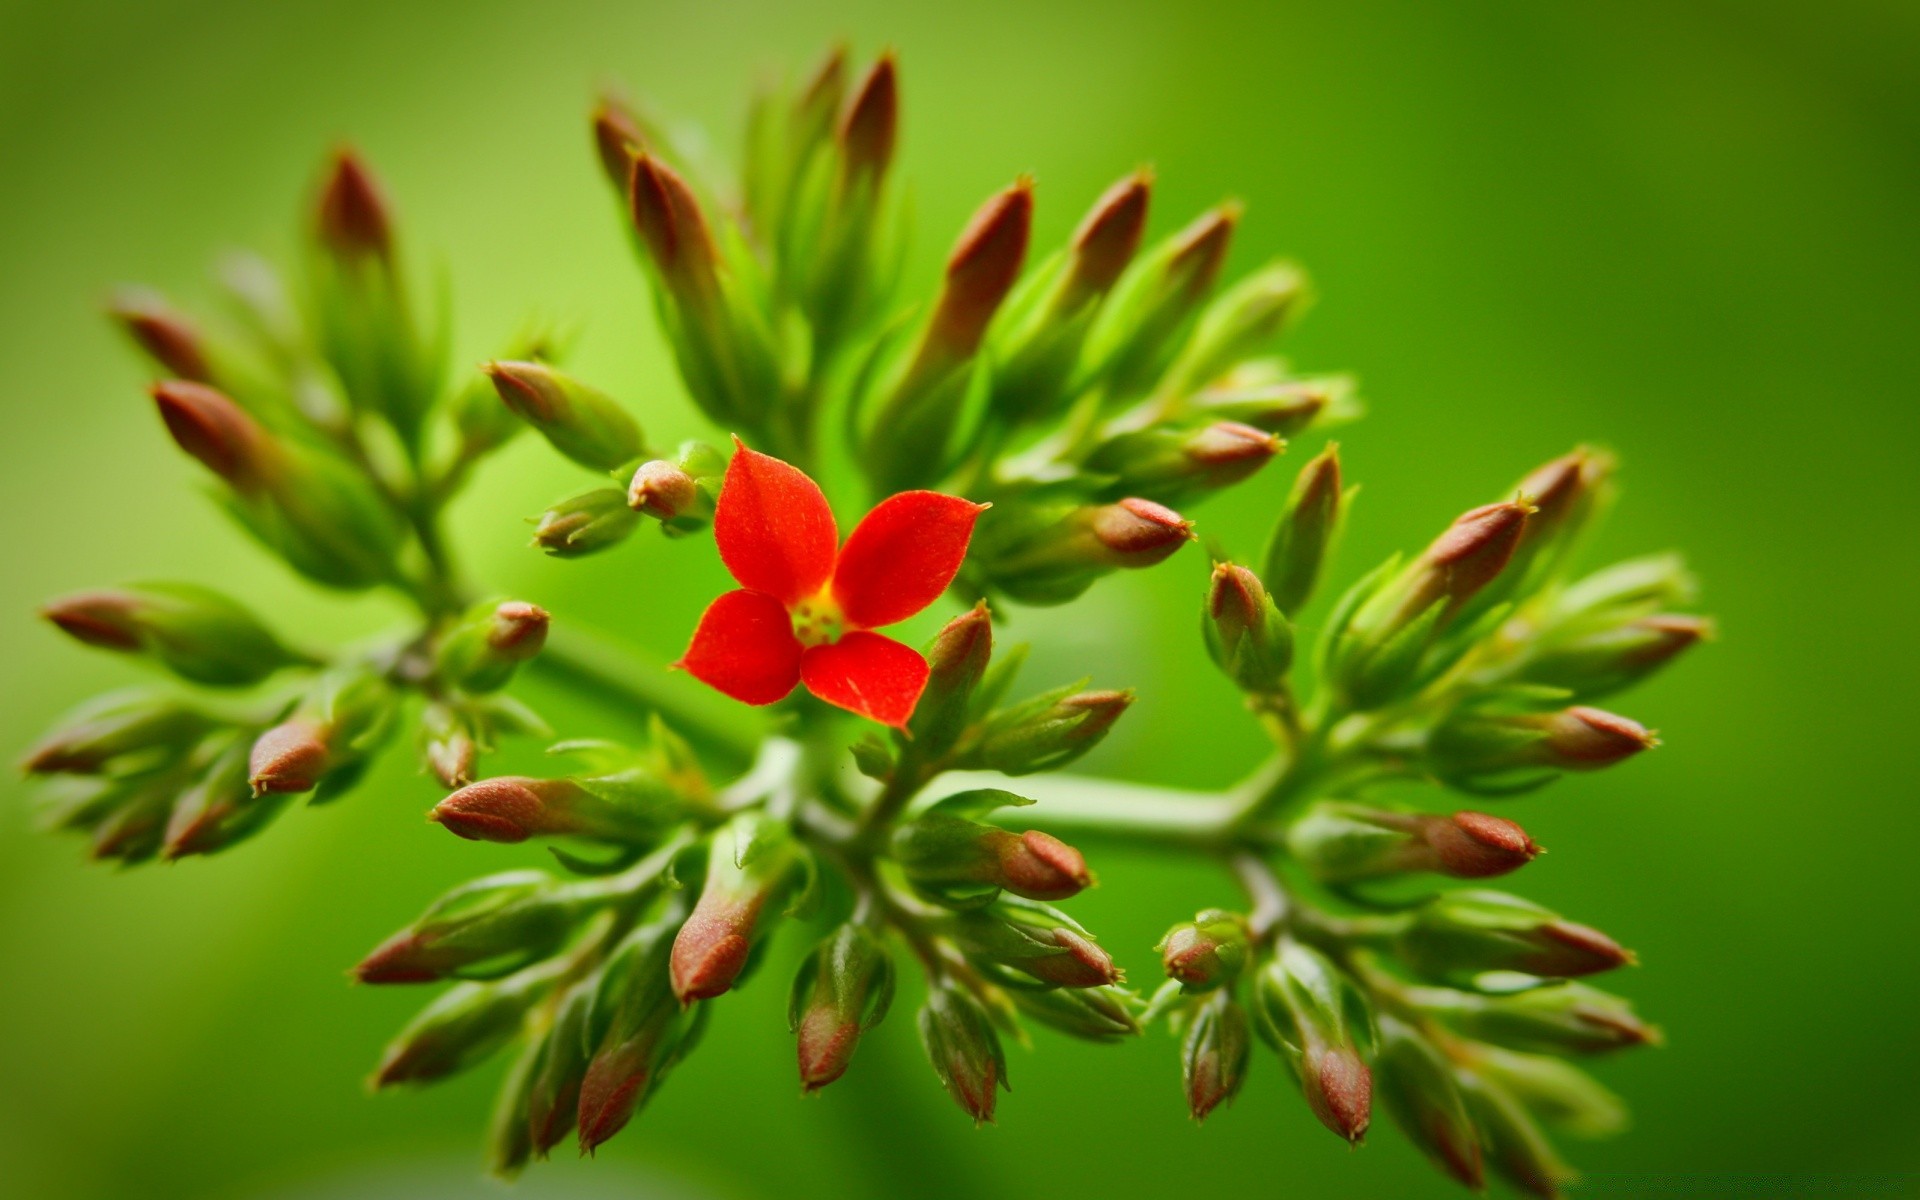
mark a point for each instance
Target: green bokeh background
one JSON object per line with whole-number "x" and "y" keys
{"x": 1684, "y": 230}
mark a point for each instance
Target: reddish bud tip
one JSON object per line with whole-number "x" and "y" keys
{"x": 617, "y": 137}
{"x": 519, "y": 630}
{"x": 662, "y": 490}
{"x": 402, "y": 958}
{"x": 100, "y": 618}
{"x": 290, "y": 757}
{"x": 1339, "y": 1089}
{"x": 167, "y": 337}
{"x": 826, "y": 1045}
{"x": 1230, "y": 444}
{"x": 1471, "y": 845}
{"x": 1140, "y": 533}
{"x": 1477, "y": 546}
{"x": 711, "y": 949}
{"x": 1084, "y": 964}
{"x": 507, "y": 809}
{"x": 610, "y": 1092}
{"x": 527, "y": 389}
{"x": 353, "y": 218}
{"x": 1201, "y": 249}
{"x": 869, "y": 130}
{"x": 668, "y": 216}
{"x": 214, "y": 430}
{"x": 1040, "y": 866}
{"x": 1588, "y": 738}
{"x": 1109, "y": 236}
{"x": 982, "y": 270}
{"x": 1571, "y": 950}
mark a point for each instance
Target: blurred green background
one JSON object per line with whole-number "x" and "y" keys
{"x": 1685, "y": 230}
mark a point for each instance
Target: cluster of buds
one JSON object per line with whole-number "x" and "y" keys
{"x": 1026, "y": 431}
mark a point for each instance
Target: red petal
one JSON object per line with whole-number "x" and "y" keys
{"x": 745, "y": 648}
{"x": 774, "y": 527}
{"x": 867, "y": 673}
{"x": 902, "y": 555}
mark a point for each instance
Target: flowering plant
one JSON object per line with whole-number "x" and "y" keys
{"x": 1024, "y": 433}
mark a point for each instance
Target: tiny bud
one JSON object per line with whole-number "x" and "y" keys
{"x": 1207, "y": 952}
{"x": 981, "y": 271}
{"x": 1039, "y": 941}
{"x": 1038, "y": 865}
{"x": 489, "y": 926}
{"x": 122, "y": 726}
{"x": 1462, "y": 934}
{"x": 754, "y": 862}
{"x": 193, "y": 631}
{"x": 946, "y": 856}
{"x": 1417, "y": 1083}
{"x": 1245, "y": 634}
{"x": 842, "y": 991}
{"x": 583, "y": 423}
{"x": 956, "y": 661}
{"x": 353, "y": 220}
{"x": 965, "y": 1052}
{"x": 1240, "y": 322}
{"x": 617, "y": 139}
{"x": 1471, "y": 845}
{"x": 1476, "y": 548}
{"x": 482, "y": 653}
{"x": 871, "y": 126}
{"x": 646, "y": 1032}
{"x": 1139, "y": 533}
{"x": 1306, "y": 1005}
{"x": 662, "y": 490}
{"x": 166, "y": 336}
{"x": 512, "y": 808}
{"x": 1283, "y": 408}
{"x": 1096, "y": 1014}
{"x": 585, "y": 524}
{"x": 460, "y": 1029}
{"x": 214, "y": 430}
{"x": 553, "y": 1094}
{"x": 290, "y": 757}
{"x": 1173, "y": 462}
{"x": 1045, "y": 734}
{"x": 1297, "y": 551}
{"x": 1568, "y": 1018}
{"x": 1108, "y": 238}
{"x": 1142, "y": 325}
{"x": 1515, "y": 1147}
{"x": 1586, "y": 739}
{"x": 449, "y": 743}
{"x": 1214, "y": 1054}
{"x": 1605, "y": 657}
{"x": 673, "y": 228}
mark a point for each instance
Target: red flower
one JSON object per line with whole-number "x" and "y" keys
{"x": 806, "y": 605}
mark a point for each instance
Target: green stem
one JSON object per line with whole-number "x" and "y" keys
{"x": 1173, "y": 818}
{"x": 595, "y": 665}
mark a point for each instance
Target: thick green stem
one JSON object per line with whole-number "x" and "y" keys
{"x": 1173, "y": 818}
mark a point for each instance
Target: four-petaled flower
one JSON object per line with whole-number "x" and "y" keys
{"x": 806, "y": 605}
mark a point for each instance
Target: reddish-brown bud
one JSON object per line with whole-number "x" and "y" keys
{"x": 1039, "y": 866}
{"x": 1207, "y": 952}
{"x": 518, "y": 630}
{"x": 1568, "y": 949}
{"x": 290, "y": 757}
{"x": 1586, "y": 739}
{"x": 166, "y": 336}
{"x": 617, "y": 137}
{"x": 99, "y": 618}
{"x": 672, "y": 225}
{"x": 662, "y": 490}
{"x": 1109, "y": 236}
{"x": 214, "y": 430}
{"x": 1139, "y": 533}
{"x": 1201, "y": 249}
{"x": 353, "y": 219}
{"x": 871, "y": 125}
{"x": 711, "y": 949}
{"x": 510, "y": 808}
{"x": 1339, "y": 1089}
{"x": 1228, "y": 451}
{"x": 1476, "y": 548}
{"x": 982, "y": 270}
{"x": 1472, "y": 845}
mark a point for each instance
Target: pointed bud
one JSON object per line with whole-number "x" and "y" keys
{"x": 195, "y": 632}
{"x": 116, "y": 729}
{"x": 482, "y": 653}
{"x": 449, "y": 743}
{"x": 956, "y": 661}
{"x": 486, "y": 927}
{"x": 1515, "y": 1148}
{"x": 1554, "y": 1091}
{"x": 553, "y": 1094}
{"x": 353, "y": 219}
{"x": 460, "y": 1029}
{"x": 1144, "y": 321}
{"x": 965, "y": 1052}
{"x": 513, "y": 808}
{"x": 1280, "y": 408}
{"x": 1138, "y": 533}
{"x": 218, "y": 809}
{"x": 167, "y": 337}
{"x": 1046, "y": 733}
{"x": 1417, "y": 1084}
{"x": 326, "y": 741}
{"x": 290, "y": 757}
{"x": 509, "y": 1141}
{"x": 1036, "y": 940}
{"x": 1471, "y": 845}
{"x": 871, "y": 126}
{"x": 214, "y": 430}
{"x": 1240, "y": 322}
{"x": 950, "y": 858}
{"x": 585, "y": 524}
{"x": 1214, "y": 1054}
{"x": 1567, "y": 1018}
{"x": 663, "y": 490}
{"x": 754, "y": 863}
{"x": 647, "y": 1032}
{"x": 842, "y": 991}
{"x": 1597, "y": 662}
{"x": 1494, "y": 751}
{"x": 981, "y": 271}
{"x": 1172, "y": 462}
{"x": 1094, "y": 1014}
{"x": 1343, "y": 843}
{"x": 1306, "y": 1007}
{"x": 583, "y": 423}
{"x": 1462, "y": 934}
{"x": 1207, "y": 952}
{"x": 1245, "y": 634}
{"x": 1107, "y": 239}
{"x": 1297, "y": 550}
{"x": 617, "y": 139}
{"x": 674, "y": 230}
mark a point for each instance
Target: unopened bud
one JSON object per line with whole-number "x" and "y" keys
{"x": 214, "y": 430}
{"x": 754, "y": 863}
{"x": 513, "y": 808}
{"x": 553, "y": 1094}
{"x": 617, "y": 138}
{"x": 1142, "y": 324}
{"x": 1214, "y": 1054}
{"x": 583, "y": 423}
{"x": 1306, "y": 1006}
{"x": 1036, "y": 940}
{"x": 842, "y": 990}
{"x": 458, "y": 1030}
{"x": 1138, "y": 533}
{"x": 1553, "y": 1090}
{"x": 290, "y": 757}
{"x": 1515, "y": 1147}
{"x": 1240, "y": 322}
{"x": 1481, "y": 750}
{"x": 484, "y": 928}
{"x": 1282, "y": 408}
{"x": 1107, "y": 239}
{"x": 646, "y": 1031}
{"x": 1046, "y": 733}
{"x": 1343, "y": 843}
{"x": 167, "y": 337}
{"x": 1052, "y": 556}
{"x": 674, "y": 230}
{"x": 1245, "y": 634}
{"x": 965, "y": 1052}
{"x": 450, "y": 743}
{"x": 662, "y": 490}
{"x": 195, "y": 632}
{"x": 482, "y": 653}
{"x": 981, "y": 271}
{"x": 1297, "y": 551}
{"x": 956, "y": 661}
{"x": 871, "y": 125}
{"x": 1465, "y": 933}
{"x": 121, "y": 728}
{"x": 353, "y": 220}
{"x": 1417, "y": 1084}
{"x": 1207, "y": 952}
{"x": 327, "y": 740}
{"x": 1173, "y": 462}
{"x": 1095, "y": 1014}
{"x": 951, "y": 858}
{"x": 1566, "y": 1018}
{"x": 585, "y": 523}
{"x": 1605, "y": 659}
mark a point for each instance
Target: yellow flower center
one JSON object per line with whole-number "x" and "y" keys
{"x": 818, "y": 621}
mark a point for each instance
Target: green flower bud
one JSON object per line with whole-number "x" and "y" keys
{"x": 957, "y": 661}
{"x": 219, "y": 809}
{"x": 1095, "y": 1014}
{"x": 193, "y": 631}
{"x": 1051, "y": 556}
{"x": 121, "y": 732}
{"x": 1418, "y": 1085}
{"x": 842, "y": 990}
{"x": 1044, "y": 733}
{"x": 553, "y": 1094}
{"x": 1317, "y": 1019}
{"x": 460, "y": 1029}
{"x": 1565, "y": 1018}
{"x": 482, "y": 423}
{"x": 1175, "y": 462}
{"x": 1515, "y": 1148}
{"x": 1040, "y": 942}
{"x": 1636, "y": 587}
{"x": 955, "y": 860}
{"x": 1281, "y": 406}
{"x": 483, "y": 651}
{"x": 1241, "y": 321}
{"x": 631, "y": 809}
{"x": 450, "y": 740}
{"x": 585, "y": 523}
{"x": 1596, "y": 663}
{"x": 958, "y": 1037}
{"x": 1214, "y": 1054}
{"x": 509, "y": 1141}
{"x": 1345, "y": 843}
{"x": 328, "y": 740}
{"x": 1207, "y": 952}
{"x": 1297, "y": 550}
{"x": 1554, "y": 1091}
{"x": 617, "y": 138}
{"x": 483, "y": 929}
{"x": 755, "y": 864}
{"x": 1462, "y": 934}
{"x": 583, "y": 423}
{"x": 1144, "y": 322}
{"x": 639, "y": 1031}
{"x": 1480, "y": 750}
{"x": 1245, "y": 634}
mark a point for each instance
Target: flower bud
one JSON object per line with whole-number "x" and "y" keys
{"x": 965, "y": 1052}
{"x": 1214, "y": 1054}
{"x": 1051, "y": 555}
{"x": 352, "y": 219}
{"x": 485, "y": 928}
{"x": 583, "y": 423}
{"x": 1144, "y": 321}
{"x": 482, "y": 653}
{"x": 218, "y": 809}
{"x": 1283, "y": 406}
{"x": 1138, "y": 533}
{"x": 1566, "y": 1018}
{"x": 1036, "y": 940}
{"x": 1342, "y": 843}
{"x": 217, "y": 432}
{"x": 1207, "y": 952}
{"x": 290, "y": 757}
{"x": 1565, "y": 495}
{"x": 553, "y": 1094}
{"x": 513, "y": 808}
{"x": 646, "y": 1032}
{"x": 460, "y": 1029}
{"x": 1173, "y": 462}
{"x": 118, "y": 732}
{"x": 675, "y": 233}
{"x": 869, "y": 130}
{"x": 1554, "y": 1091}
{"x": 1636, "y": 587}
{"x": 754, "y": 862}
{"x": 1601, "y": 661}
{"x": 585, "y": 523}
{"x": 167, "y": 337}
{"x": 509, "y": 1141}
{"x": 956, "y": 661}
{"x": 1308, "y": 1011}
{"x": 1514, "y": 1146}
{"x": 1107, "y": 240}
{"x": 1094, "y": 1014}
{"x": 617, "y": 139}
{"x": 1494, "y": 751}
{"x": 1046, "y": 733}
{"x": 663, "y": 491}
{"x": 950, "y": 858}
{"x": 1417, "y": 1084}
{"x": 1239, "y": 322}
{"x": 1297, "y": 550}
{"x": 842, "y": 990}
{"x": 1245, "y": 634}
{"x": 1462, "y": 934}
{"x": 326, "y": 742}
{"x": 193, "y": 631}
